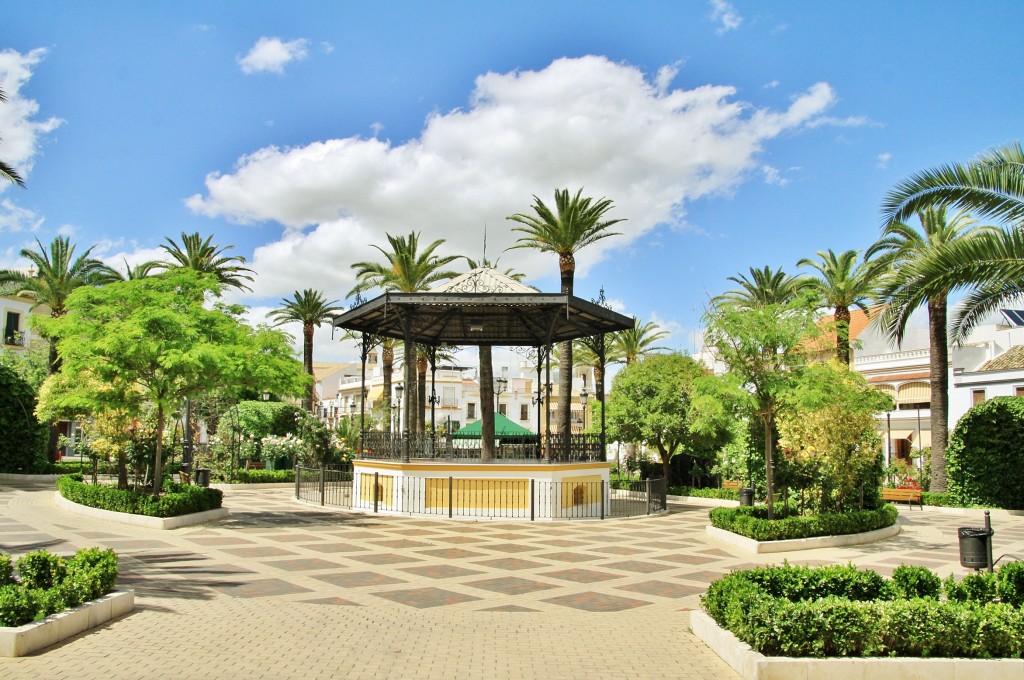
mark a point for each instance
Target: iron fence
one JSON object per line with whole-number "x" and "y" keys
{"x": 526, "y": 499}
{"x": 552, "y": 447}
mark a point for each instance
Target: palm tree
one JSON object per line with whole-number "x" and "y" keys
{"x": 633, "y": 343}
{"x": 310, "y": 309}
{"x": 202, "y": 256}
{"x": 53, "y": 276}
{"x": 577, "y": 222}
{"x": 841, "y": 284}
{"x": 7, "y": 171}
{"x": 992, "y": 185}
{"x": 902, "y": 249}
{"x": 764, "y": 287}
{"x": 408, "y": 269}
{"x": 139, "y": 271}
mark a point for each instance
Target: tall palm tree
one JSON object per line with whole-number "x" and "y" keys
{"x": 633, "y": 343}
{"x": 992, "y": 185}
{"x": 901, "y": 249}
{"x": 54, "y": 274}
{"x": 841, "y": 283}
{"x": 765, "y": 286}
{"x": 310, "y": 309}
{"x": 206, "y": 258}
{"x": 408, "y": 269}
{"x": 139, "y": 271}
{"x": 576, "y": 223}
{"x": 7, "y": 171}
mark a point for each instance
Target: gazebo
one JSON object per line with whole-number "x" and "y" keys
{"x": 481, "y": 307}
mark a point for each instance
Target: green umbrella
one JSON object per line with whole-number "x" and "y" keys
{"x": 503, "y": 429}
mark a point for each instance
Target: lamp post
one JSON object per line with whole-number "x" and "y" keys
{"x": 500, "y": 385}
{"x": 584, "y": 398}
{"x": 398, "y": 405}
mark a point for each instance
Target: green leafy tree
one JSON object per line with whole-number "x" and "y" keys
{"x": 153, "y": 341}
{"x": 575, "y": 223}
{"x": 828, "y": 418}
{"x": 23, "y": 445}
{"x": 986, "y": 463}
{"x": 901, "y": 251}
{"x": 408, "y": 268}
{"x": 310, "y": 309}
{"x": 841, "y": 284}
{"x": 204, "y": 257}
{"x": 765, "y": 348}
{"x": 660, "y": 400}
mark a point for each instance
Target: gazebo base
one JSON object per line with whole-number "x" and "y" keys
{"x": 497, "y": 490}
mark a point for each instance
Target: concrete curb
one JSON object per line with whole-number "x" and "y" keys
{"x": 23, "y": 640}
{"x": 13, "y": 477}
{"x": 968, "y": 512}
{"x": 701, "y": 500}
{"x": 141, "y": 520}
{"x": 754, "y": 666}
{"x": 759, "y": 547}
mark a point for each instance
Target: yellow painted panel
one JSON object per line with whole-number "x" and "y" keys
{"x": 581, "y": 490}
{"x": 478, "y": 467}
{"x": 385, "y": 489}
{"x": 511, "y": 494}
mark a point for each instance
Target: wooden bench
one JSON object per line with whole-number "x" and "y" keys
{"x": 908, "y": 496}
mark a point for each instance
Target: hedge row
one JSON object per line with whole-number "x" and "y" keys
{"x": 178, "y": 499}
{"x": 752, "y": 522}
{"x": 724, "y": 494}
{"x": 264, "y": 476}
{"x": 843, "y": 611}
{"x": 48, "y": 583}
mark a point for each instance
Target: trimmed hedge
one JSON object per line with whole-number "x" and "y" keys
{"x": 178, "y": 499}
{"x": 843, "y": 611}
{"x": 984, "y": 460}
{"x": 49, "y": 583}
{"x": 752, "y": 522}
{"x": 724, "y": 494}
{"x": 264, "y": 476}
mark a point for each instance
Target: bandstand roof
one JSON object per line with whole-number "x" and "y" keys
{"x": 516, "y": 315}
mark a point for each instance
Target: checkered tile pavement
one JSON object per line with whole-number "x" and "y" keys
{"x": 612, "y": 594}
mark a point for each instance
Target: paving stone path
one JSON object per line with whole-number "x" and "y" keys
{"x": 281, "y": 589}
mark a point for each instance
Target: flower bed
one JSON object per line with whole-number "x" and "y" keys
{"x": 842, "y": 611}
{"x": 753, "y": 522}
{"x": 179, "y": 499}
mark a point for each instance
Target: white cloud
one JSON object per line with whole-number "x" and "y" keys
{"x": 22, "y": 135}
{"x": 773, "y": 176}
{"x": 273, "y": 54}
{"x": 585, "y": 122}
{"x": 883, "y": 160}
{"x": 771, "y": 85}
{"x": 14, "y": 218}
{"x": 725, "y": 14}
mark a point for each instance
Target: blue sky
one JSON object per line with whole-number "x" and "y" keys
{"x": 729, "y": 134}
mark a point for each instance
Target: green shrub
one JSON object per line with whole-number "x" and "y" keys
{"x": 18, "y": 605}
{"x": 1010, "y": 583}
{"x": 264, "y": 476}
{"x": 94, "y": 570}
{"x": 6, "y": 570}
{"x": 23, "y": 445}
{"x": 41, "y": 569}
{"x": 724, "y": 494}
{"x": 831, "y": 626}
{"x": 938, "y": 500}
{"x": 978, "y": 587}
{"x": 746, "y": 522}
{"x": 179, "y": 499}
{"x": 985, "y": 456}
{"x": 914, "y": 581}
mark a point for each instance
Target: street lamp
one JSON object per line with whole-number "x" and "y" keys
{"x": 500, "y": 385}
{"x": 584, "y": 398}
{"x": 398, "y": 398}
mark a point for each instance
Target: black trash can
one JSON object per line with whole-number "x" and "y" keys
{"x": 202, "y": 476}
{"x": 746, "y": 496}
{"x": 975, "y": 546}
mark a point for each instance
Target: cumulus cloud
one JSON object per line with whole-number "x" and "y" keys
{"x": 273, "y": 54}
{"x": 725, "y": 15}
{"x": 883, "y": 160}
{"x": 22, "y": 134}
{"x": 585, "y": 122}
{"x": 773, "y": 176}
{"x": 14, "y": 218}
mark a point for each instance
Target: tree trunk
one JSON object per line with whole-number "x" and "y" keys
{"x": 487, "y": 449}
{"x": 307, "y": 366}
{"x": 843, "y": 354}
{"x": 666, "y": 464}
{"x": 769, "y": 457}
{"x": 567, "y": 269}
{"x": 387, "y": 354}
{"x": 158, "y": 466}
{"x": 939, "y": 369}
{"x": 421, "y": 392}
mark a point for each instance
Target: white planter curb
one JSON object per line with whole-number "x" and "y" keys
{"x": 14, "y": 477}
{"x": 753, "y": 666}
{"x": 23, "y": 640}
{"x": 141, "y": 520}
{"x": 752, "y": 546}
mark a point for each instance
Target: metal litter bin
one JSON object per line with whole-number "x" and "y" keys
{"x": 746, "y": 496}
{"x": 202, "y": 476}
{"x": 975, "y": 546}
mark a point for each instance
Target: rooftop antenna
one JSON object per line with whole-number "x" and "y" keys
{"x": 484, "y": 262}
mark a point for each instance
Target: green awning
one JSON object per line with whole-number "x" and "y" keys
{"x": 503, "y": 427}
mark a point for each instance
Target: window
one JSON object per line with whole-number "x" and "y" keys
{"x": 524, "y": 412}
{"x": 471, "y": 410}
{"x": 503, "y": 409}
{"x": 1018, "y": 391}
{"x": 977, "y": 397}
{"x": 448, "y": 397}
{"x": 12, "y": 329}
